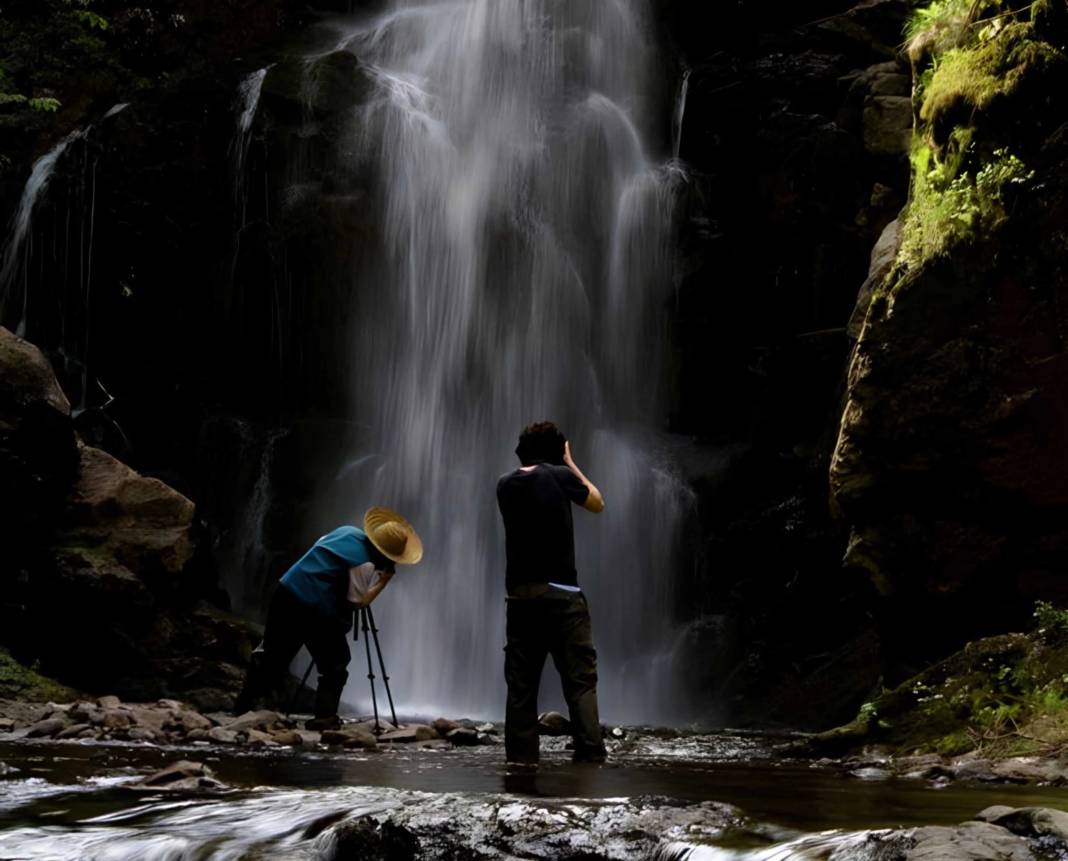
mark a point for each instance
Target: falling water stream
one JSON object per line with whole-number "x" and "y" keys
{"x": 524, "y": 262}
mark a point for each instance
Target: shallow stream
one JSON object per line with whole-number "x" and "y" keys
{"x": 70, "y": 801}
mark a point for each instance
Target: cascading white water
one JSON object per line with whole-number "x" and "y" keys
{"x": 525, "y": 262}
{"x": 13, "y": 272}
{"x": 680, "y": 114}
{"x": 248, "y": 102}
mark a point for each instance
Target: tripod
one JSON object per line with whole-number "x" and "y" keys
{"x": 365, "y": 618}
{"x": 362, "y": 616}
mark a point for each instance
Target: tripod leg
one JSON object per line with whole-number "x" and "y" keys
{"x": 381, "y": 663}
{"x": 300, "y": 690}
{"x": 370, "y": 670}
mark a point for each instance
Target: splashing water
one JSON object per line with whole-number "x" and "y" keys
{"x": 525, "y": 259}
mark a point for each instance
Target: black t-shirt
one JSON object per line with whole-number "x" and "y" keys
{"x": 538, "y": 530}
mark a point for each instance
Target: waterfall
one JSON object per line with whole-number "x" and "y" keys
{"x": 524, "y": 264}
{"x": 248, "y": 102}
{"x": 18, "y": 245}
{"x": 680, "y": 114}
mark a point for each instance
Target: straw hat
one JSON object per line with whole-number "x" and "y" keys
{"x": 392, "y": 535}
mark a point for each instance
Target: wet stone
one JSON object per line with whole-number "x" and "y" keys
{"x": 288, "y": 738}
{"x": 462, "y": 736}
{"x": 183, "y": 776}
{"x": 47, "y": 728}
{"x": 351, "y": 737}
{"x": 553, "y": 723}
{"x": 444, "y": 726}
{"x": 221, "y": 735}
{"x": 73, "y": 731}
{"x": 409, "y": 733}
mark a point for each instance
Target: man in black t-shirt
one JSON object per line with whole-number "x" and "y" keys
{"x": 547, "y": 612}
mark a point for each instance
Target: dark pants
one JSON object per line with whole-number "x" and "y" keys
{"x": 290, "y": 625}
{"x": 555, "y": 623}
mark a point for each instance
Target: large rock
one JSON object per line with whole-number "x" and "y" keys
{"x": 38, "y": 462}
{"x": 950, "y": 467}
{"x": 116, "y": 517}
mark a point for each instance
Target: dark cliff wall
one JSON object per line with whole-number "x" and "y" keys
{"x": 950, "y": 463}
{"x": 795, "y": 135}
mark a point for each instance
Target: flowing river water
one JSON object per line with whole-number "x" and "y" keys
{"x": 73, "y": 802}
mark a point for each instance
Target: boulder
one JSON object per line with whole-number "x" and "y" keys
{"x": 444, "y": 726}
{"x": 183, "y": 776}
{"x": 256, "y": 738}
{"x": 109, "y": 702}
{"x": 261, "y": 721}
{"x": 463, "y": 736}
{"x": 219, "y": 735}
{"x": 38, "y": 462}
{"x": 288, "y": 738}
{"x": 409, "y": 733}
{"x": 47, "y": 728}
{"x": 972, "y": 841}
{"x": 120, "y": 518}
{"x": 1030, "y": 822}
{"x": 553, "y": 723}
{"x": 72, "y": 731}
{"x": 116, "y": 719}
{"x": 353, "y": 737}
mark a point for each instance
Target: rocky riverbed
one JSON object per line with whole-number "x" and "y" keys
{"x": 705, "y": 797}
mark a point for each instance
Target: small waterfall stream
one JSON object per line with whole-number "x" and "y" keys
{"x": 14, "y": 276}
{"x": 524, "y": 263}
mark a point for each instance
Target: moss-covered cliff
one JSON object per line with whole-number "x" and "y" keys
{"x": 950, "y": 466}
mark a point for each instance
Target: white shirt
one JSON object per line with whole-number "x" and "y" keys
{"x": 362, "y": 579}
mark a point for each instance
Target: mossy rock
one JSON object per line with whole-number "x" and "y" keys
{"x": 1002, "y": 694}
{"x": 19, "y": 682}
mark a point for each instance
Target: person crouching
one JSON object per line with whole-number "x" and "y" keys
{"x": 313, "y": 606}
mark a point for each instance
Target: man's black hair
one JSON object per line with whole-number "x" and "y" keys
{"x": 541, "y": 442}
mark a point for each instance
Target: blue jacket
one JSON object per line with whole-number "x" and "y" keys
{"x": 320, "y": 578}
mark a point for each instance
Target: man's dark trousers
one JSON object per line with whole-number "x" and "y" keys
{"x": 290, "y": 625}
{"x": 545, "y": 621}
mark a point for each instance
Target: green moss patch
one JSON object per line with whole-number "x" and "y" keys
{"x": 19, "y": 682}
{"x": 1002, "y": 696}
{"x": 970, "y": 57}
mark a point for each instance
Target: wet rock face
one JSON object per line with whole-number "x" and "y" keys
{"x": 949, "y": 467}
{"x": 795, "y": 138}
{"x": 101, "y": 584}
{"x": 38, "y": 462}
{"x": 463, "y": 827}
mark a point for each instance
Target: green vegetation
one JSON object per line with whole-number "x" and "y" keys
{"x": 968, "y": 56}
{"x": 25, "y": 683}
{"x": 950, "y": 204}
{"x": 1003, "y": 696}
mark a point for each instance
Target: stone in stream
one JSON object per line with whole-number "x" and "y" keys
{"x": 6, "y": 724}
{"x": 1032, "y": 822}
{"x": 444, "y": 726}
{"x": 109, "y": 702}
{"x": 47, "y": 728}
{"x": 409, "y": 733}
{"x": 463, "y": 736}
{"x": 221, "y": 735}
{"x": 351, "y": 736}
{"x": 73, "y": 731}
{"x": 263, "y": 721}
{"x": 553, "y": 723}
{"x": 183, "y": 776}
